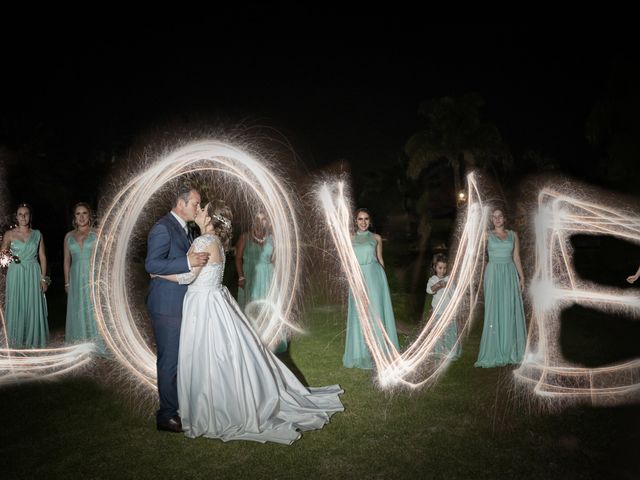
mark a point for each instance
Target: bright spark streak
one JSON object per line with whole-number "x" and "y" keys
{"x": 20, "y": 365}
{"x": 5, "y": 259}
{"x": 418, "y": 365}
{"x": 556, "y": 286}
{"x": 114, "y": 316}
{"x": 42, "y": 363}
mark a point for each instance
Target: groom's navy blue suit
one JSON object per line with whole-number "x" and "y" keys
{"x": 167, "y": 246}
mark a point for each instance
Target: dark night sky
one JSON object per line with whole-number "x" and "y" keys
{"x": 348, "y": 90}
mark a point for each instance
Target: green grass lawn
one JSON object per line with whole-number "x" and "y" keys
{"x": 469, "y": 425}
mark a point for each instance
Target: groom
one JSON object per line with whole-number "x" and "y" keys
{"x": 167, "y": 247}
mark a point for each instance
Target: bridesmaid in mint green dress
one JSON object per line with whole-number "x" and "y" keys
{"x": 258, "y": 285}
{"x": 247, "y": 252}
{"x": 78, "y": 248}
{"x": 260, "y": 282}
{"x": 504, "y": 333}
{"x": 368, "y": 250}
{"x": 25, "y": 303}
{"x": 254, "y": 265}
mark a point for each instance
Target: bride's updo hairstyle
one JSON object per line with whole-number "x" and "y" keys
{"x": 221, "y": 217}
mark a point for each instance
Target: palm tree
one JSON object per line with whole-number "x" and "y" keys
{"x": 454, "y": 133}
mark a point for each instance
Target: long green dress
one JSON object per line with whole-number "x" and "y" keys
{"x": 26, "y": 306}
{"x": 81, "y": 322}
{"x": 356, "y": 352}
{"x": 259, "y": 281}
{"x": 258, "y": 272}
{"x": 249, "y": 257}
{"x": 504, "y": 334}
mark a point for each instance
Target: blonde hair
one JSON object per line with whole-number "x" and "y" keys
{"x": 89, "y": 209}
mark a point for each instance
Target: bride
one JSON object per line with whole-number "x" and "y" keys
{"x": 230, "y": 386}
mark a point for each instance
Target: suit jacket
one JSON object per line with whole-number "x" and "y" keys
{"x": 167, "y": 246}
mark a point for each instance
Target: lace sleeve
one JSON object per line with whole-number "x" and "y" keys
{"x": 215, "y": 240}
{"x": 185, "y": 278}
{"x": 200, "y": 244}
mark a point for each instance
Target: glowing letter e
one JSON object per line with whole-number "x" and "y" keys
{"x": 555, "y": 286}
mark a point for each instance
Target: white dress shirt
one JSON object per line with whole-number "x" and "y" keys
{"x": 183, "y": 224}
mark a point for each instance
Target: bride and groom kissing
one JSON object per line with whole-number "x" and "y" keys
{"x": 215, "y": 377}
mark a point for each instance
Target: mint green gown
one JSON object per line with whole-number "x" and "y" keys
{"x": 26, "y": 306}
{"x": 356, "y": 352}
{"x": 504, "y": 334}
{"x": 258, "y": 272}
{"x": 249, "y": 258}
{"x": 81, "y": 322}
{"x": 258, "y": 282}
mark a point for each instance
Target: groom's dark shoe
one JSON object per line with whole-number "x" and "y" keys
{"x": 172, "y": 425}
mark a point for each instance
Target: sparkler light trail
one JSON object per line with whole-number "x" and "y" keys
{"x": 114, "y": 315}
{"x": 418, "y": 365}
{"x": 43, "y": 363}
{"x": 556, "y": 286}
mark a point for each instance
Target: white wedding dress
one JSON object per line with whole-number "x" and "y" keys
{"x": 230, "y": 386}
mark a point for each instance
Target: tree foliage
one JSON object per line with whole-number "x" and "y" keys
{"x": 455, "y": 131}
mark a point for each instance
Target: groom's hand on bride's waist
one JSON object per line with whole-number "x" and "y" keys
{"x": 198, "y": 259}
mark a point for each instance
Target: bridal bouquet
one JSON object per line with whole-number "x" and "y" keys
{"x": 6, "y": 257}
